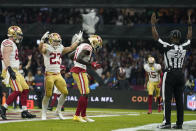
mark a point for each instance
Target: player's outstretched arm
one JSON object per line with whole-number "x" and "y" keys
{"x": 70, "y": 48}
{"x": 154, "y": 31}
{"x": 42, "y": 45}
{"x": 189, "y": 34}
{"x": 75, "y": 44}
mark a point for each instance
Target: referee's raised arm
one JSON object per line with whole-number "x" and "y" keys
{"x": 154, "y": 31}
{"x": 189, "y": 34}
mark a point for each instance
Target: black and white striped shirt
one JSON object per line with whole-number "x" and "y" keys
{"x": 174, "y": 54}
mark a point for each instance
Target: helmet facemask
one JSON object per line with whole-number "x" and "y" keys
{"x": 96, "y": 42}
{"x": 16, "y": 33}
{"x": 55, "y": 40}
{"x": 151, "y": 61}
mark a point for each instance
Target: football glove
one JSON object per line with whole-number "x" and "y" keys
{"x": 12, "y": 73}
{"x": 45, "y": 37}
{"x": 95, "y": 65}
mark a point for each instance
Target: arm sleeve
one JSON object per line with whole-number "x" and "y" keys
{"x": 165, "y": 44}
{"x": 188, "y": 42}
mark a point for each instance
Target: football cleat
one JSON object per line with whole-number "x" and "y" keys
{"x": 149, "y": 112}
{"x": 78, "y": 118}
{"x": 3, "y": 113}
{"x": 88, "y": 119}
{"x": 159, "y": 108}
{"x": 50, "y": 108}
{"x": 164, "y": 126}
{"x": 177, "y": 127}
{"x": 60, "y": 115}
{"x": 26, "y": 114}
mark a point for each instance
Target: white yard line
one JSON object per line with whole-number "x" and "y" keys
{"x": 187, "y": 126}
{"x": 160, "y": 113}
{"x": 1, "y": 122}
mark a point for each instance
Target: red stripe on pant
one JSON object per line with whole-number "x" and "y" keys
{"x": 14, "y": 85}
{"x": 83, "y": 84}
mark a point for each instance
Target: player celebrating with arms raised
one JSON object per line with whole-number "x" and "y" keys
{"x": 82, "y": 59}
{"x": 52, "y": 50}
{"x": 152, "y": 82}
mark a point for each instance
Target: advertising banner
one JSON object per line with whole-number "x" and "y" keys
{"x": 111, "y": 98}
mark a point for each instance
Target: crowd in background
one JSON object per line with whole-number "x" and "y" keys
{"x": 131, "y": 55}
{"x": 113, "y": 16}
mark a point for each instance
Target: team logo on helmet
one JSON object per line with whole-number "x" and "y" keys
{"x": 96, "y": 42}
{"x": 16, "y": 33}
{"x": 54, "y": 40}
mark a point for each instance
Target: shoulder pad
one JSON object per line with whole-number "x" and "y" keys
{"x": 7, "y": 43}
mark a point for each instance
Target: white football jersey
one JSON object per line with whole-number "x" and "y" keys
{"x": 14, "y": 60}
{"x": 52, "y": 58}
{"x": 153, "y": 74}
{"x": 79, "y": 49}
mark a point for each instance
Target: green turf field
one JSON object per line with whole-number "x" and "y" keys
{"x": 105, "y": 120}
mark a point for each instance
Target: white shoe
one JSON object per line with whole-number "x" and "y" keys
{"x": 88, "y": 119}
{"x": 43, "y": 115}
{"x": 60, "y": 115}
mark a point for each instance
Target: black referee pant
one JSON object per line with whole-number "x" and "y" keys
{"x": 173, "y": 83}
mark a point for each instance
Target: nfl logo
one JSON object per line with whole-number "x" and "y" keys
{"x": 191, "y": 102}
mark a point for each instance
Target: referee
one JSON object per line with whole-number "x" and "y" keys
{"x": 173, "y": 78}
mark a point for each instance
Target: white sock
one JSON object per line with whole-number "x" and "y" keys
{"x": 24, "y": 108}
{"x": 5, "y": 105}
{"x": 61, "y": 102}
{"x": 45, "y": 103}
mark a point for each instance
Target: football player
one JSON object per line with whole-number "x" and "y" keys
{"x": 81, "y": 58}
{"x": 52, "y": 50}
{"x": 10, "y": 73}
{"x": 56, "y": 92}
{"x": 153, "y": 82}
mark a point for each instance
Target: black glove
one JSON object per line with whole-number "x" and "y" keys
{"x": 12, "y": 73}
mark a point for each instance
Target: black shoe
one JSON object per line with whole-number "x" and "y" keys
{"x": 62, "y": 109}
{"x": 50, "y": 108}
{"x": 3, "y": 113}
{"x": 177, "y": 127}
{"x": 164, "y": 126}
{"x": 26, "y": 114}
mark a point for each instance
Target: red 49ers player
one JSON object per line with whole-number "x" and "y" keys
{"x": 52, "y": 50}
{"x": 10, "y": 64}
{"x": 81, "y": 59}
{"x": 153, "y": 81}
